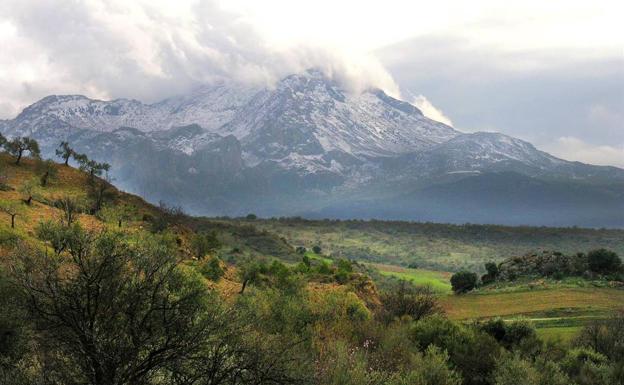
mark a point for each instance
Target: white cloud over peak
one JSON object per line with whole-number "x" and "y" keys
{"x": 430, "y": 111}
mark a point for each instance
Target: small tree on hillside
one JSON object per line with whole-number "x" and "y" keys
{"x": 29, "y": 189}
{"x": 204, "y": 244}
{"x": 47, "y": 170}
{"x": 317, "y": 249}
{"x": 70, "y": 209}
{"x": 406, "y": 300}
{"x": 12, "y": 208}
{"x": 3, "y": 140}
{"x": 65, "y": 152}
{"x": 463, "y": 281}
{"x": 18, "y": 146}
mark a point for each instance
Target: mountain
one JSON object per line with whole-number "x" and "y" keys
{"x": 309, "y": 147}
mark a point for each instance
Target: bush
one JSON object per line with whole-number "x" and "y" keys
{"x": 317, "y": 249}
{"x": 603, "y": 261}
{"x": 415, "y": 302}
{"x": 212, "y": 269}
{"x": 463, "y": 282}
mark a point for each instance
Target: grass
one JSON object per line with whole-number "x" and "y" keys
{"x": 563, "y": 333}
{"x": 556, "y": 302}
{"x": 437, "y": 280}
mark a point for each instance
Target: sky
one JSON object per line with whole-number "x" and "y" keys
{"x": 550, "y": 72}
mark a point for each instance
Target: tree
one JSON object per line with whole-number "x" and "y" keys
{"x": 205, "y": 243}
{"x": 47, "y": 169}
{"x": 492, "y": 273}
{"x": 406, "y": 300}
{"x": 117, "y": 213}
{"x": 12, "y": 208}
{"x": 251, "y": 272}
{"x": 603, "y": 261}
{"x": 65, "y": 152}
{"x": 317, "y": 249}
{"x": 29, "y": 188}
{"x": 70, "y": 207}
{"x": 463, "y": 281}
{"x": 18, "y": 146}
{"x": 100, "y": 190}
{"x": 113, "y": 310}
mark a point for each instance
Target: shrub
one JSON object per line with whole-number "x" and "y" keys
{"x": 603, "y": 261}
{"x": 212, "y": 269}
{"x": 317, "y": 249}
{"x": 463, "y": 282}
{"x": 404, "y": 300}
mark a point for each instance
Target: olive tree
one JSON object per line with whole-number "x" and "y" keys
{"x": 18, "y": 146}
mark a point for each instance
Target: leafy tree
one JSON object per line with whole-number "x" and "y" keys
{"x": 251, "y": 272}
{"x": 513, "y": 369}
{"x": 12, "y": 208}
{"x": 29, "y": 188}
{"x": 463, "y": 281}
{"x": 605, "y": 336}
{"x": 92, "y": 167}
{"x": 113, "y": 312}
{"x": 205, "y": 243}
{"x": 18, "y": 146}
{"x": 47, "y": 170}
{"x": 406, "y": 300}
{"x": 99, "y": 191}
{"x": 65, "y": 152}
{"x": 117, "y": 213}
{"x": 70, "y": 208}
{"x": 603, "y": 261}
{"x": 317, "y": 249}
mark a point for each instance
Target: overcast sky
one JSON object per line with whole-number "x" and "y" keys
{"x": 551, "y": 72}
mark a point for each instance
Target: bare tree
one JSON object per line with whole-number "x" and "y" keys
{"x": 11, "y": 208}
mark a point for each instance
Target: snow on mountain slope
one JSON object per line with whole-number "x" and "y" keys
{"x": 310, "y": 115}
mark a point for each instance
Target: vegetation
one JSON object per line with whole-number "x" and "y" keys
{"x": 100, "y": 287}
{"x": 463, "y": 281}
{"x": 433, "y": 246}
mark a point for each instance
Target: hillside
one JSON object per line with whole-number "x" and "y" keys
{"x": 246, "y": 297}
{"x": 444, "y": 247}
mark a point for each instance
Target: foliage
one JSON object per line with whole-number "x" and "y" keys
{"x": 47, "y": 171}
{"x": 603, "y": 261}
{"x": 406, "y": 300}
{"x": 204, "y": 244}
{"x": 212, "y": 269}
{"x": 19, "y": 145}
{"x": 65, "y": 152}
{"x": 463, "y": 281}
{"x": 113, "y": 311}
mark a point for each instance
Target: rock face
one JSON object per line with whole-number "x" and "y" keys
{"x": 309, "y": 147}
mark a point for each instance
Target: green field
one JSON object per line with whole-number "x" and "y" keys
{"x": 438, "y": 281}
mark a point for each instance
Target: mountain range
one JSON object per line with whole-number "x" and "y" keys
{"x": 309, "y": 147}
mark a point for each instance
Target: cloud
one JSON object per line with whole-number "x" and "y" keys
{"x": 430, "y": 111}
{"x": 571, "y": 148}
{"x": 149, "y": 50}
